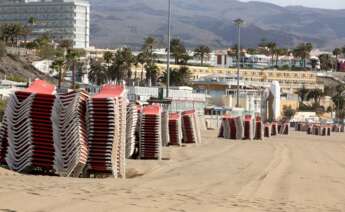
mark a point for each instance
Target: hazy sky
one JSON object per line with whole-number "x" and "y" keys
{"x": 329, "y": 4}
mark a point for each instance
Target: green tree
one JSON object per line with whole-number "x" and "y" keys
{"x": 302, "y": 93}
{"x": 3, "y": 51}
{"x": 337, "y": 52}
{"x": 98, "y": 74}
{"x": 59, "y": 66}
{"x": 73, "y": 56}
{"x": 280, "y": 52}
{"x": 326, "y": 62}
{"x": 315, "y": 94}
{"x": 152, "y": 72}
{"x": 289, "y": 112}
{"x": 202, "y": 52}
{"x": 121, "y": 68}
{"x": 65, "y": 44}
{"x": 178, "y": 51}
{"x": 108, "y": 57}
{"x": 303, "y": 51}
{"x": 141, "y": 59}
{"x": 179, "y": 77}
{"x": 10, "y": 32}
{"x": 272, "y": 48}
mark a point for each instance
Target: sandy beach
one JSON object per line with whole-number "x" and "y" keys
{"x": 287, "y": 173}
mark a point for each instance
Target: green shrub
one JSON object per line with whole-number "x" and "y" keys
{"x": 16, "y": 78}
{"x": 3, "y": 51}
{"x": 3, "y": 104}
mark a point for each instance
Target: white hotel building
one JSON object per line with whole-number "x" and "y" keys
{"x": 61, "y": 19}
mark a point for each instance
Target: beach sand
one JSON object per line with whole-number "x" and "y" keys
{"x": 287, "y": 173}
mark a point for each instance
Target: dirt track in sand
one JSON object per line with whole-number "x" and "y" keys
{"x": 288, "y": 173}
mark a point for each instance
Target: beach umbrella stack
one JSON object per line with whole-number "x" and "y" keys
{"x": 3, "y": 141}
{"x": 190, "y": 127}
{"x": 175, "y": 132}
{"x": 131, "y": 125}
{"x": 30, "y": 133}
{"x": 106, "y": 115}
{"x": 150, "y": 132}
{"x": 70, "y": 133}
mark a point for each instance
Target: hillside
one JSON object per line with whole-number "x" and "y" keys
{"x": 117, "y": 22}
{"x": 15, "y": 66}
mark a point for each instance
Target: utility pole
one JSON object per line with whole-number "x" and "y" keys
{"x": 238, "y": 23}
{"x": 168, "y": 56}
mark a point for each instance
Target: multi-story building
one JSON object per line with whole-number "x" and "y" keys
{"x": 290, "y": 81}
{"x": 61, "y": 19}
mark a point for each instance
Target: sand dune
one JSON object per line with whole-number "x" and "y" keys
{"x": 289, "y": 173}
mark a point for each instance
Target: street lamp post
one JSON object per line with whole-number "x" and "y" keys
{"x": 238, "y": 22}
{"x": 168, "y": 56}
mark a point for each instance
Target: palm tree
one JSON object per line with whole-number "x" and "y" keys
{"x": 336, "y": 53}
{"x": 32, "y": 20}
{"x": 149, "y": 44}
{"x": 326, "y": 62}
{"x": 108, "y": 57}
{"x": 66, "y": 44}
{"x": 97, "y": 75}
{"x": 178, "y": 50}
{"x": 302, "y": 93}
{"x": 202, "y": 52}
{"x": 58, "y": 65}
{"x": 303, "y": 51}
{"x": 73, "y": 56}
{"x": 141, "y": 59}
{"x": 271, "y": 46}
{"x": 280, "y": 52}
{"x": 122, "y": 65}
{"x": 315, "y": 94}
{"x": 152, "y": 72}
{"x": 179, "y": 77}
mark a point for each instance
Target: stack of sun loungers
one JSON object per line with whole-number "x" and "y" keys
{"x": 29, "y": 128}
{"x": 190, "y": 127}
{"x": 70, "y": 133}
{"x": 150, "y": 133}
{"x": 175, "y": 133}
{"x": 131, "y": 125}
{"x": 267, "y": 130}
{"x": 3, "y": 141}
{"x": 301, "y": 126}
{"x": 259, "y": 129}
{"x": 232, "y": 128}
{"x": 284, "y": 128}
{"x": 249, "y": 127}
{"x": 319, "y": 130}
{"x": 107, "y": 122}
{"x": 274, "y": 129}
{"x": 337, "y": 128}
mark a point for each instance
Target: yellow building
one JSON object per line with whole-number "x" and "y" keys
{"x": 290, "y": 81}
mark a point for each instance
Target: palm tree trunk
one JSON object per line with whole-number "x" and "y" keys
{"x": 60, "y": 76}
{"x": 202, "y": 59}
{"x": 142, "y": 74}
{"x": 73, "y": 75}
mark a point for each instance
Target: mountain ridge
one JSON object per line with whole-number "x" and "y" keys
{"x": 116, "y": 23}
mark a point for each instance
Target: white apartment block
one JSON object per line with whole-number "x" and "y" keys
{"x": 61, "y": 19}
